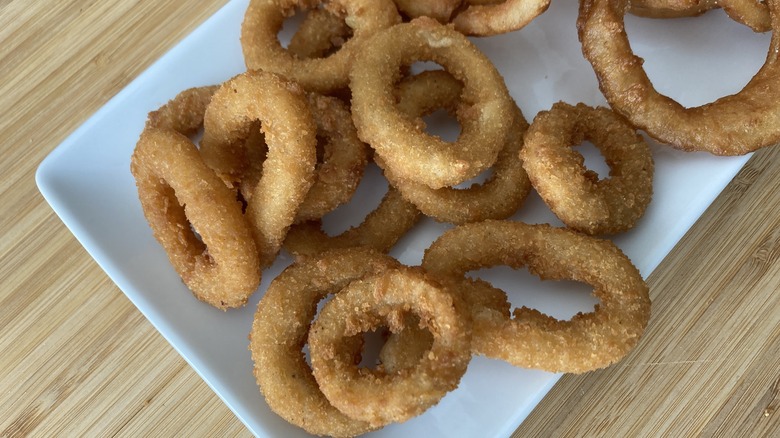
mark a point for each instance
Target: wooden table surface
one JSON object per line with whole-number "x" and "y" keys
{"x": 78, "y": 359}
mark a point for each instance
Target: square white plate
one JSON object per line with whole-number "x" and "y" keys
{"x": 88, "y": 184}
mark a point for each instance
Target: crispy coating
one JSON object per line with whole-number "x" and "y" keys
{"x": 280, "y": 330}
{"x": 263, "y": 51}
{"x": 575, "y": 194}
{"x": 485, "y": 113}
{"x": 373, "y": 394}
{"x": 732, "y": 125}
{"x": 290, "y": 134}
{"x": 531, "y": 339}
{"x": 494, "y": 18}
{"x": 179, "y": 192}
{"x": 498, "y": 197}
{"x": 380, "y": 230}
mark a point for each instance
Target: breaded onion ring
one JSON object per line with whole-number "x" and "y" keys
{"x": 494, "y": 18}
{"x": 380, "y": 230}
{"x": 374, "y": 395}
{"x": 732, "y": 125}
{"x": 498, "y": 197}
{"x": 575, "y": 194}
{"x": 342, "y": 158}
{"x": 441, "y": 10}
{"x": 531, "y": 339}
{"x": 280, "y": 330}
{"x": 263, "y": 51}
{"x": 177, "y": 192}
{"x": 485, "y": 112}
{"x": 288, "y": 169}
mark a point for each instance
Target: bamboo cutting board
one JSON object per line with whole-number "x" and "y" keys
{"x": 77, "y": 358}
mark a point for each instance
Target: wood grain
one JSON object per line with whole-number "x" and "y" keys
{"x": 77, "y": 358}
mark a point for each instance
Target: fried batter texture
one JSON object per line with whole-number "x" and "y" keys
{"x": 531, "y": 339}
{"x": 281, "y": 329}
{"x": 575, "y": 194}
{"x": 496, "y": 198}
{"x": 178, "y": 192}
{"x": 290, "y": 133}
{"x": 377, "y": 395}
{"x": 485, "y": 115}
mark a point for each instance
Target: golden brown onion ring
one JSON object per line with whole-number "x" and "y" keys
{"x": 498, "y": 197}
{"x": 263, "y": 51}
{"x": 494, "y": 18}
{"x": 485, "y": 113}
{"x": 179, "y": 192}
{"x": 531, "y": 339}
{"x": 732, "y": 125}
{"x": 575, "y": 194}
{"x": 288, "y": 169}
{"x": 373, "y": 394}
{"x": 280, "y": 330}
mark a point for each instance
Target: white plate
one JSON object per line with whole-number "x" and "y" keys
{"x": 88, "y": 184}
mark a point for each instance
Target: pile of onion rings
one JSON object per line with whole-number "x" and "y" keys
{"x": 286, "y": 143}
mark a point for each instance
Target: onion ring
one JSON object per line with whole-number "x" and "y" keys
{"x": 263, "y": 51}
{"x": 532, "y": 339}
{"x": 280, "y": 330}
{"x": 339, "y": 169}
{"x": 497, "y": 198}
{"x": 380, "y": 230}
{"x": 485, "y": 112}
{"x": 576, "y": 195}
{"x": 176, "y": 190}
{"x": 374, "y": 395}
{"x": 494, "y": 18}
{"x": 288, "y": 170}
{"x": 732, "y": 125}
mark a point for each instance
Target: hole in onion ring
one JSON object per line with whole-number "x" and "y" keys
{"x": 373, "y": 341}
{"x": 421, "y": 66}
{"x": 560, "y": 299}
{"x": 705, "y": 51}
{"x": 594, "y": 160}
{"x": 442, "y": 124}
{"x": 479, "y": 179}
